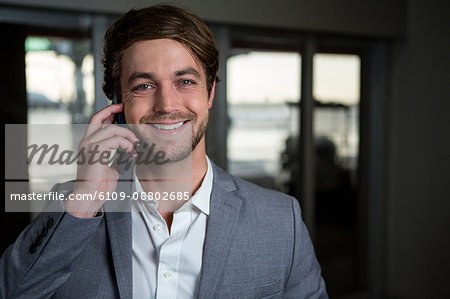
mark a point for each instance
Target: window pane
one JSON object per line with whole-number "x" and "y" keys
{"x": 336, "y": 78}
{"x": 336, "y": 134}
{"x": 60, "y": 90}
{"x": 60, "y": 80}
{"x": 261, "y": 87}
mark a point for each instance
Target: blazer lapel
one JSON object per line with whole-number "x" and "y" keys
{"x": 118, "y": 224}
{"x": 221, "y": 225}
{"x": 222, "y": 221}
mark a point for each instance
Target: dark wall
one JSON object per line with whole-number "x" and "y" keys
{"x": 13, "y": 111}
{"x": 419, "y": 194}
{"x": 369, "y": 17}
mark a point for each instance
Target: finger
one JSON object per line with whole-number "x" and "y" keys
{"x": 98, "y": 151}
{"x": 110, "y": 131}
{"x": 106, "y": 112}
{"x": 102, "y": 116}
{"x": 119, "y": 165}
{"x": 110, "y": 119}
{"x": 116, "y": 142}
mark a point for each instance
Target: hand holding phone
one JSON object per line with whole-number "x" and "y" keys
{"x": 93, "y": 176}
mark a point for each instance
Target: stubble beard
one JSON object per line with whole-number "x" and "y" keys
{"x": 177, "y": 152}
{"x": 197, "y": 135}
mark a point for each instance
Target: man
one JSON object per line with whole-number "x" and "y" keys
{"x": 230, "y": 239}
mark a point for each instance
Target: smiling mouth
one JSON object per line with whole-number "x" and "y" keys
{"x": 167, "y": 127}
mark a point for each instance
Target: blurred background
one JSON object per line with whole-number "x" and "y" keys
{"x": 342, "y": 104}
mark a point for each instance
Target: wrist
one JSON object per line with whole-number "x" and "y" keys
{"x": 82, "y": 210}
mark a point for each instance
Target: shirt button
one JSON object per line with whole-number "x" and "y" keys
{"x": 157, "y": 227}
{"x": 167, "y": 273}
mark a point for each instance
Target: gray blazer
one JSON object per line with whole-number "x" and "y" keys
{"x": 256, "y": 246}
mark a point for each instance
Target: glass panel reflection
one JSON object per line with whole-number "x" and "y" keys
{"x": 60, "y": 80}
{"x": 336, "y": 147}
{"x": 260, "y": 86}
{"x": 60, "y": 90}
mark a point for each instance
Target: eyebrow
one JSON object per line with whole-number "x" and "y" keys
{"x": 136, "y": 76}
{"x": 188, "y": 71}
{"x": 150, "y": 76}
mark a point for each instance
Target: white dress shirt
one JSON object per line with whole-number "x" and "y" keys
{"x": 168, "y": 266}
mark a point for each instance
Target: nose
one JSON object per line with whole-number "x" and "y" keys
{"x": 165, "y": 100}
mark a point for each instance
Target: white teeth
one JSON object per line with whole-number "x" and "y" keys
{"x": 167, "y": 127}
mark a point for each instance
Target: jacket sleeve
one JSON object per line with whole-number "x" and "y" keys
{"x": 42, "y": 257}
{"x": 304, "y": 280}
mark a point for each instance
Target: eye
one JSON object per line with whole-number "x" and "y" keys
{"x": 187, "y": 82}
{"x": 142, "y": 87}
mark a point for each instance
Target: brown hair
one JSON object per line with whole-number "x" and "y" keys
{"x": 155, "y": 22}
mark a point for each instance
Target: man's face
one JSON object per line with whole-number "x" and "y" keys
{"x": 164, "y": 90}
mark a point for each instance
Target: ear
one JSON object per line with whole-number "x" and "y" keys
{"x": 211, "y": 95}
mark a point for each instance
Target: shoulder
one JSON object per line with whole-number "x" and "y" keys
{"x": 254, "y": 196}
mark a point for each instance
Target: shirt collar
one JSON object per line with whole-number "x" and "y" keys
{"x": 202, "y": 197}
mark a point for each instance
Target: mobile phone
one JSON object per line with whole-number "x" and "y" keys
{"x": 120, "y": 117}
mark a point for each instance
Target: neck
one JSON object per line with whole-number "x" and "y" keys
{"x": 175, "y": 178}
